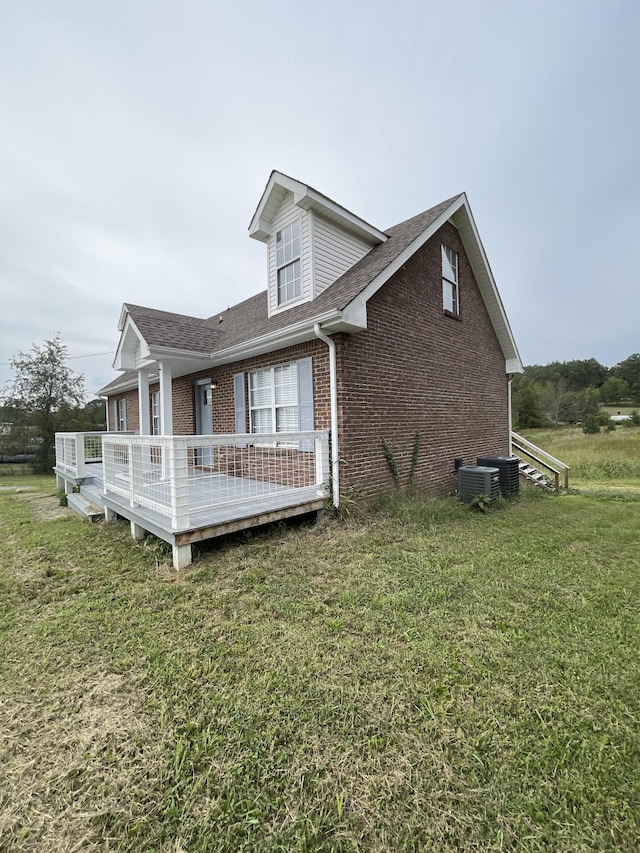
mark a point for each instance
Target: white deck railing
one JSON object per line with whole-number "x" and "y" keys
{"x": 181, "y": 477}
{"x": 74, "y": 450}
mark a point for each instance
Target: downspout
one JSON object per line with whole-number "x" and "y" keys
{"x": 510, "y": 416}
{"x": 333, "y": 393}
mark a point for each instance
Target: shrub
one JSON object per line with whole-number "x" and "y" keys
{"x": 591, "y": 425}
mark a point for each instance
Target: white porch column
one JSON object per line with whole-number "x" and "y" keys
{"x": 143, "y": 402}
{"x": 166, "y": 402}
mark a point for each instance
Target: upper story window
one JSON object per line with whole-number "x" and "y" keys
{"x": 288, "y": 262}
{"x": 450, "y": 301}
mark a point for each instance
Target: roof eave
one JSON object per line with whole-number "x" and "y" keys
{"x": 306, "y": 198}
{"x": 481, "y": 270}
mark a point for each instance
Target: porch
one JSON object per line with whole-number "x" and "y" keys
{"x": 185, "y": 489}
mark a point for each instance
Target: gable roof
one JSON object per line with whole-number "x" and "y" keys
{"x": 246, "y": 328}
{"x": 307, "y": 198}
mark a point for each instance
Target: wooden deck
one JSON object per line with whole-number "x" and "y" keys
{"x": 262, "y": 503}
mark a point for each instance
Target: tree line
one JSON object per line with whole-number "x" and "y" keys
{"x": 571, "y": 391}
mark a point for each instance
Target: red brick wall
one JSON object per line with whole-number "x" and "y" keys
{"x": 417, "y": 369}
{"x": 184, "y": 415}
{"x": 414, "y": 369}
{"x": 133, "y": 412}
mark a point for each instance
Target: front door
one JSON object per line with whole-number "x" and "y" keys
{"x": 204, "y": 421}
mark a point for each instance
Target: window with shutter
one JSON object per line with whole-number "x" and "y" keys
{"x": 281, "y": 398}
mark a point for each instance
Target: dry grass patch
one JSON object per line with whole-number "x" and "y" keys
{"x": 77, "y": 747}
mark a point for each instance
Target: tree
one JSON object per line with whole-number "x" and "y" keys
{"x": 629, "y": 370}
{"x": 614, "y": 390}
{"x": 525, "y": 403}
{"x": 45, "y": 395}
{"x": 552, "y": 395}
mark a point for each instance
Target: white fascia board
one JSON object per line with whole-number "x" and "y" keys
{"x": 127, "y": 385}
{"x": 121, "y": 361}
{"x": 312, "y": 199}
{"x": 305, "y": 198}
{"x": 260, "y": 227}
{"x": 158, "y": 352}
{"x": 504, "y": 333}
{"x": 285, "y": 337}
{"x": 374, "y": 286}
{"x": 124, "y": 313}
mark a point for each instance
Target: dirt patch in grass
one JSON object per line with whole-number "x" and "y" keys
{"x": 74, "y": 751}
{"x": 44, "y": 507}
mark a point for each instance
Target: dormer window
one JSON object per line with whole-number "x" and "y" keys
{"x": 288, "y": 262}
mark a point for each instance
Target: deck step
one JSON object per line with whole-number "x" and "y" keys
{"x": 535, "y": 476}
{"x": 84, "y": 507}
{"x": 93, "y": 492}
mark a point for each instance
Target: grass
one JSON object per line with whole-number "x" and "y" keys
{"x": 604, "y": 459}
{"x": 425, "y": 679}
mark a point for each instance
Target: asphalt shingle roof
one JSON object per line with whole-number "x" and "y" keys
{"x": 249, "y": 319}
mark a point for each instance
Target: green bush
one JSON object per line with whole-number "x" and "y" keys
{"x": 591, "y": 425}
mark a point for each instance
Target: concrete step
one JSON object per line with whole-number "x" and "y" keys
{"x": 84, "y": 507}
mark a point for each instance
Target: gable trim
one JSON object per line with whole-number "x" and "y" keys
{"x": 482, "y": 272}
{"x": 306, "y": 198}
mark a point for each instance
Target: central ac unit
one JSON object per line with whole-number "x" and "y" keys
{"x": 478, "y": 480}
{"x": 509, "y": 472}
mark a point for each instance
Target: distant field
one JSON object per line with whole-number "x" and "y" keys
{"x": 426, "y": 679}
{"x": 605, "y": 458}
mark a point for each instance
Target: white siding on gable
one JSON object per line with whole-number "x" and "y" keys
{"x": 334, "y": 252}
{"x": 286, "y": 213}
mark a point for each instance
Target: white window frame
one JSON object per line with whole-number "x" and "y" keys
{"x": 155, "y": 413}
{"x": 450, "y": 287}
{"x": 121, "y": 415}
{"x": 289, "y": 262}
{"x": 273, "y": 407}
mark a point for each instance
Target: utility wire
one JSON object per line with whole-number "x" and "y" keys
{"x": 69, "y": 357}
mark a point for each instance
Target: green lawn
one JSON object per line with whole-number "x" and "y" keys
{"x": 428, "y": 678}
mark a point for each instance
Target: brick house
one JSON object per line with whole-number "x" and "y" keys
{"x": 422, "y": 342}
{"x": 361, "y": 333}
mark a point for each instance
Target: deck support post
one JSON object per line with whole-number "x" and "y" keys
{"x": 110, "y": 515}
{"x": 137, "y": 532}
{"x": 59, "y": 483}
{"x": 181, "y": 556}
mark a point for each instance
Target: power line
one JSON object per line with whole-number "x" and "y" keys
{"x": 69, "y": 357}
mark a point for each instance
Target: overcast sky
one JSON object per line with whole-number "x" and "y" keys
{"x": 136, "y": 137}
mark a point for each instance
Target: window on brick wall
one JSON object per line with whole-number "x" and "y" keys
{"x": 288, "y": 262}
{"x": 155, "y": 413}
{"x": 450, "y": 300}
{"x": 121, "y": 415}
{"x": 273, "y": 399}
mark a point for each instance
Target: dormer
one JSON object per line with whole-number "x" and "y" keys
{"x": 311, "y": 241}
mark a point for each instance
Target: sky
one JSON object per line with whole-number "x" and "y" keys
{"x": 136, "y": 139}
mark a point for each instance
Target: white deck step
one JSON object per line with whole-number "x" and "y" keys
{"x": 84, "y": 507}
